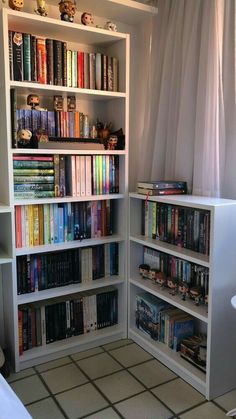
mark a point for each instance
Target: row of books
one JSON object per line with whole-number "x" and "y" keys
{"x": 45, "y": 224}
{"x": 48, "y": 322}
{"x": 38, "y": 272}
{"x": 191, "y": 273}
{"x": 181, "y": 226}
{"x": 55, "y": 124}
{"x": 49, "y": 61}
{"x": 60, "y": 176}
{"x": 162, "y": 187}
{"x": 162, "y": 321}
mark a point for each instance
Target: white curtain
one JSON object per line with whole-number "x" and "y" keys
{"x": 185, "y": 125}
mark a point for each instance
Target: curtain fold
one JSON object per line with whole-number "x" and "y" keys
{"x": 187, "y": 112}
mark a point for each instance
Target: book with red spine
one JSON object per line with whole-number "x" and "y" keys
{"x": 80, "y": 69}
{"x": 41, "y": 60}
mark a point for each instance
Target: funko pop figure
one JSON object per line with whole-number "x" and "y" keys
{"x": 23, "y": 138}
{"x": 33, "y": 101}
{"x": 67, "y": 10}
{"x": 172, "y": 283}
{"x": 110, "y": 26}
{"x": 153, "y": 274}
{"x": 196, "y": 294}
{"x": 161, "y": 279}
{"x": 87, "y": 19}
{"x": 144, "y": 270}
{"x": 41, "y": 9}
{"x": 112, "y": 142}
{"x": 16, "y": 4}
{"x": 183, "y": 290}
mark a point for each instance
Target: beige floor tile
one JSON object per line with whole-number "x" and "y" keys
{"x": 152, "y": 373}
{"x": 130, "y": 355}
{"x": 45, "y": 409}
{"x": 86, "y": 354}
{"x": 227, "y": 401}
{"x": 22, "y": 374}
{"x": 30, "y": 389}
{"x": 99, "y": 365}
{"x": 81, "y": 401}
{"x": 178, "y": 395}
{"x": 63, "y": 378}
{"x": 143, "y": 406}
{"x": 119, "y": 386}
{"x": 117, "y": 344}
{"x": 105, "y": 414}
{"x": 53, "y": 364}
{"x": 205, "y": 411}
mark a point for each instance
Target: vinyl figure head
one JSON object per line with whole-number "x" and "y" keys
{"x": 87, "y": 18}
{"x": 67, "y": 10}
{"x": 23, "y": 138}
{"x": 16, "y": 4}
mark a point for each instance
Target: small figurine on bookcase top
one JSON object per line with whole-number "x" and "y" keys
{"x": 87, "y": 19}
{"x": 41, "y": 8}
{"x": 24, "y": 138}
{"x": 33, "y": 101}
{"x": 110, "y": 26}
{"x": 67, "y": 10}
{"x": 183, "y": 290}
{"x": 16, "y": 4}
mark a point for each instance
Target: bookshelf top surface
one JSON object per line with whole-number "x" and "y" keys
{"x": 54, "y": 28}
{"x": 188, "y": 200}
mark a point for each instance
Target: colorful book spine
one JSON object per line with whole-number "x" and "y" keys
{"x": 41, "y": 61}
{"x": 27, "y": 56}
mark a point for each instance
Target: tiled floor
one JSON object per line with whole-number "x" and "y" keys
{"x": 118, "y": 380}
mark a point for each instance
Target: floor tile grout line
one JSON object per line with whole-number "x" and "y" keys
{"x": 52, "y": 395}
{"x": 97, "y": 388}
{"x": 134, "y": 395}
{"x": 218, "y": 405}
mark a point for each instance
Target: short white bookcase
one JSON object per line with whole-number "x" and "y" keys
{"x": 218, "y": 321}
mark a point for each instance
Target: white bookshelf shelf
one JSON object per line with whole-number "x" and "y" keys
{"x": 173, "y": 250}
{"x": 57, "y": 349}
{"x": 41, "y": 151}
{"x": 68, "y": 290}
{"x": 69, "y": 245}
{"x": 199, "y": 312}
{"x": 67, "y": 199}
{"x": 171, "y": 359}
{"x": 5, "y": 209}
{"x": 55, "y": 28}
{"x": 5, "y": 258}
{"x": 49, "y": 90}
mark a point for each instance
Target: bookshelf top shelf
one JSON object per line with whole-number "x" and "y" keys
{"x": 202, "y": 202}
{"x": 126, "y": 11}
{"x": 57, "y": 29}
{"x": 65, "y": 151}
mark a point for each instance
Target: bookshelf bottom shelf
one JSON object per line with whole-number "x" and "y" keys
{"x": 171, "y": 359}
{"x": 69, "y": 346}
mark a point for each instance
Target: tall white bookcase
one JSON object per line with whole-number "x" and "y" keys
{"x": 218, "y": 320}
{"x": 107, "y": 106}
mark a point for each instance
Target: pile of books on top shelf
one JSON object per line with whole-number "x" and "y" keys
{"x": 162, "y": 187}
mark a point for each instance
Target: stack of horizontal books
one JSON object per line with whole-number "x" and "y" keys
{"x": 162, "y": 187}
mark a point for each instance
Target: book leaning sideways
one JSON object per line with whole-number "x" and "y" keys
{"x": 162, "y": 187}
